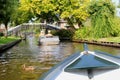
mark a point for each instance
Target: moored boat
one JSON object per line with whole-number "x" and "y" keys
{"x": 48, "y": 39}
{"x": 86, "y": 65}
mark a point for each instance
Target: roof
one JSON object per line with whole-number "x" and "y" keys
{"x": 90, "y": 61}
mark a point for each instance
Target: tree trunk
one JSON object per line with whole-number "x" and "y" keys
{"x": 6, "y": 30}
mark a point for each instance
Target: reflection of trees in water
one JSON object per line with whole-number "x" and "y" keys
{"x": 49, "y": 50}
{"x": 32, "y": 44}
{"x": 48, "y": 55}
{"x": 9, "y": 70}
{"x": 3, "y": 68}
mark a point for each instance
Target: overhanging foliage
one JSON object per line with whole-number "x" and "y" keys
{"x": 102, "y": 14}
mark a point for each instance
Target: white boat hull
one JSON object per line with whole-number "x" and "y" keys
{"x": 82, "y": 75}
{"x": 54, "y": 40}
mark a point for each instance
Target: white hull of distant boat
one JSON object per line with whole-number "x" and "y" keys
{"x": 49, "y": 40}
{"x": 86, "y": 65}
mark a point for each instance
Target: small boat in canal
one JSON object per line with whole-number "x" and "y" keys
{"x": 86, "y": 65}
{"x": 53, "y": 40}
{"x": 48, "y": 39}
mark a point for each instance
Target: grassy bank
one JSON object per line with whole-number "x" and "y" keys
{"x": 110, "y": 39}
{"x": 4, "y": 40}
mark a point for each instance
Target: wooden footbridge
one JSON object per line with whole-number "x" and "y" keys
{"x": 17, "y": 30}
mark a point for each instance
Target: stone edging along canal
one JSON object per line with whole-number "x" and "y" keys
{"x": 9, "y": 45}
{"x": 102, "y": 43}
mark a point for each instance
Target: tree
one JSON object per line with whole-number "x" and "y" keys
{"x": 74, "y": 11}
{"x": 7, "y": 8}
{"x": 23, "y": 12}
{"x": 101, "y": 12}
{"x": 45, "y": 10}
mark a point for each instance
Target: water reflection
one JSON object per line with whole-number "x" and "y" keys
{"x": 15, "y": 62}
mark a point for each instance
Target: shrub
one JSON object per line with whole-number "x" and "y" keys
{"x": 82, "y": 33}
{"x": 102, "y": 14}
{"x": 64, "y": 34}
{"x": 116, "y": 27}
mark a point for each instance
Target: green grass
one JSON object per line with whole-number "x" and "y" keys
{"x": 111, "y": 39}
{"x": 4, "y": 40}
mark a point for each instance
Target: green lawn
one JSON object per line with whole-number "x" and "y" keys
{"x": 4, "y": 40}
{"x": 110, "y": 39}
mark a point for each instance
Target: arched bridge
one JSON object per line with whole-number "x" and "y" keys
{"x": 25, "y": 26}
{"x": 50, "y": 26}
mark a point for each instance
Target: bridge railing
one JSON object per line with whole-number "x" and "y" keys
{"x": 17, "y": 29}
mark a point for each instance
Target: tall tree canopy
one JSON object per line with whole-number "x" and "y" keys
{"x": 24, "y": 12}
{"x": 74, "y": 11}
{"x": 102, "y": 13}
{"x": 45, "y": 9}
{"x": 7, "y": 8}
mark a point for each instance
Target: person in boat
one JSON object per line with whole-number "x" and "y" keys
{"x": 49, "y": 34}
{"x": 42, "y": 34}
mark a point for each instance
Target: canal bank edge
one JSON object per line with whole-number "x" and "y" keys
{"x": 102, "y": 43}
{"x": 9, "y": 45}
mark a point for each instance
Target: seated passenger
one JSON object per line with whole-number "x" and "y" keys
{"x": 49, "y": 34}
{"x": 42, "y": 34}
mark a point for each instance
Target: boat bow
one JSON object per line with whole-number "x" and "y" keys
{"x": 86, "y": 65}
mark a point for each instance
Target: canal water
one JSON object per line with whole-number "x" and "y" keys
{"x": 28, "y": 61}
